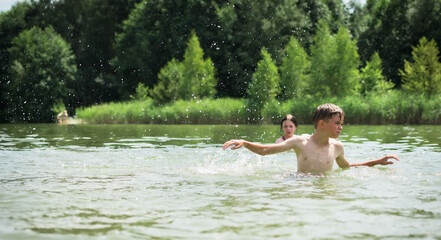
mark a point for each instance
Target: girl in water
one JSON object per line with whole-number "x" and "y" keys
{"x": 289, "y": 127}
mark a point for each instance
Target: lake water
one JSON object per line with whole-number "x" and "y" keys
{"x": 175, "y": 182}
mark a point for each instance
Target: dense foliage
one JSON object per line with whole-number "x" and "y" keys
{"x": 264, "y": 86}
{"x": 193, "y": 78}
{"x": 423, "y": 74}
{"x": 125, "y": 49}
{"x": 334, "y": 63}
{"x": 294, "y": 71}
{"x": 42, "y": 69}
{"x": 371, "y": 77}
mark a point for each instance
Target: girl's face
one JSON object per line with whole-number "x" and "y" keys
{"x": 288, "y": 128}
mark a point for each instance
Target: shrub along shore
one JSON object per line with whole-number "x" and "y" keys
{"x": 395, "y": 107}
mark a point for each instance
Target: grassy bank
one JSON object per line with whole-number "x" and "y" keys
{"x": 391, "y": 108}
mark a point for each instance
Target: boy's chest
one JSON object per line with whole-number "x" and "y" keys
{"x": 320, "y": 159}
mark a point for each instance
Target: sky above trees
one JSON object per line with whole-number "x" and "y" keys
{"x": 5, "y": 5}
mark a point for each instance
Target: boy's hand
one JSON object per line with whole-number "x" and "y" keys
{"x": 237, "y": 144}
{"x": 384, "y": 160}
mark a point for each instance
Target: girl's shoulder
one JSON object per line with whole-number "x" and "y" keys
{"x": 280, "y": 139}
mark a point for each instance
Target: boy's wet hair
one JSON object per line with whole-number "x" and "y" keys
{"x": 290, "y": 118}
{"x": 325, "y": 112}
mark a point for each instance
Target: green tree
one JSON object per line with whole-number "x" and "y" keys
{"x": 198, "y": 74}
{"x": 423, "y": 75}
{"x": 294, "y": 70}
{"x": 263, "y": 87}
{"x": 194, "y": 77}
{"x": 142, "y": 92}
{"x": 371, "y": 77}
{"x": 169, "y": 79}
{"x": 11, "y": 23}
{"x": 334, "y": 63}
{"x": 359, "y": 18}
{"x": 323, "y": 51}
{"x": 388, "y": 33}
{"x": 344, "y": 79}
{"x": 425, "y": 19}
{"x": 42, "y": 64}
{"x": 248, "y": 26}
{"x": 155, "y": 32}
{"x": 89, "y": 26}
{"x": 338, "y": 15}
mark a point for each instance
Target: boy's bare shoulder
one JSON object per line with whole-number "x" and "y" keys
{"x": 336, "y": 143}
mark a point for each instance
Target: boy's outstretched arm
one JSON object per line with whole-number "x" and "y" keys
{"x": 257, "y": 147}
{"x": 343, "y": 163}
{"x": 380, "y": 161}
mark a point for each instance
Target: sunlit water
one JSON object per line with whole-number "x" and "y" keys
{"x": 175, "y": 182}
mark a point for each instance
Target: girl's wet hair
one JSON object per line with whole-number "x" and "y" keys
{"x": 326, "y": 112}
{"x": 290, "y": 118}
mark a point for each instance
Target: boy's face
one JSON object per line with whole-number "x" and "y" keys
{"x": 334, "y": 125}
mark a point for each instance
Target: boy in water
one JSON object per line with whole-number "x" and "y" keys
{"x": 289, "y": 127}
{"x": 315, "y": 153}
